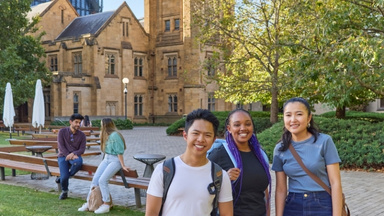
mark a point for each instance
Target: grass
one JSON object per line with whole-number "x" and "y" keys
{"x": 16, "y": 200}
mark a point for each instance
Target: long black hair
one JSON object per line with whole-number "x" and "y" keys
{"x": 255, "y": 148}
{"x": 286, "y": 138}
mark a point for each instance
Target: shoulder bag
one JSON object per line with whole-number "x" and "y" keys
{"x": 345, "y": 211}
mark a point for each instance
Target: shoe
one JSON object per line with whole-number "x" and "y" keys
{"x": 102, "y": 209}
{"x": 83, "y": 208}
{"x": 63, "y": 196}
{"x": 57, "y": 180}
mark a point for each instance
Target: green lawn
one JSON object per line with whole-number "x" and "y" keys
{"x": 16, "y": 200}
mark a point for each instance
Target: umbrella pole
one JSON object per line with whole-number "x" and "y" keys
{"x": 10, "y": 132}
{"x": 40, "y": 129}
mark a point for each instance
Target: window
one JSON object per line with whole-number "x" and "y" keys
{"x": 381, "y": 103}
{"x": 111, "y": 108}
{"x": 77, "y": 63}
{"x": 172, "y": 103}
{"x": 211, "y": 102}
{"x": 47, "y": 104}
{"x": 210, "y": 68}
{"x": 177, "y": 24}
{"x": 167, "y": 25}
{"x": 239, "y": 106}
{"x": 172, "y": 66}
{"x": 76, "y": 103}
{"x": 138, "y": 100}
{"x": 53, "y": 62}
{"x": 125, "y": 24}
{"x": 138, "y": 68}
{"x": 110, "y": 64}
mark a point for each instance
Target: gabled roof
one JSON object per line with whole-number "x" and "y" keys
{"x": 38, "y": 10}
{"x": 89, "y": 24}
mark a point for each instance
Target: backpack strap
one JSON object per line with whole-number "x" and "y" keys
{"x": 215, "y": 186}
{"x": 169, "y": 169}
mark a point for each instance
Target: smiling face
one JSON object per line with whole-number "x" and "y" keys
{"x": 241, "y": 127}
{"x": 75, "y": 124}
{"x": 296, "y": 119}
{"x": 200, "y": 137}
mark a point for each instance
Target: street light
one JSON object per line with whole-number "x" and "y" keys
{"x": 125, "y": 81}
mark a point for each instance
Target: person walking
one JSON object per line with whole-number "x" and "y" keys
{"x": 112, "y": 144}
{"x": 71, "y": 143}
{"x": 249, "y": 172}
{"x": 318, "y": 153}
{"x": 189, "y": 193}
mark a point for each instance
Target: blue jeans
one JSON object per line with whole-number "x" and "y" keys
{"x": 307, "y": 204}
{"x": 67, "y": 169}
{"x": 106, "y": 169}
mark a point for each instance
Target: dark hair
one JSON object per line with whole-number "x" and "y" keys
{"x": 204, "y": 115}
{"x": 76, "y": 116}
{"x": 86, "y": 120}
{"x": 255, "y": 147}
{"x": 286, "y": 138}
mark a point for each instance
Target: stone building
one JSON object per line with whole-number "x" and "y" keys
{"x": 90, "y": 55}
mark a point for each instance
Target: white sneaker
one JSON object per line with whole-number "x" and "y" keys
{"x": 102, "y": 209}
{"x": 83, "y": 208}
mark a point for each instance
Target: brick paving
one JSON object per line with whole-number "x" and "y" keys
{"x": 364, "y": 191}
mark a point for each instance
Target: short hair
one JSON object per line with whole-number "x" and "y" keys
{"x": 76, "y": 116}
{"x": 204, "y": 115}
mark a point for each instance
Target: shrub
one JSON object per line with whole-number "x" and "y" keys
{"x": 360, "y": 143}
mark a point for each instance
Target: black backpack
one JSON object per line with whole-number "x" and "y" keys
{"x": 213, "y": 188}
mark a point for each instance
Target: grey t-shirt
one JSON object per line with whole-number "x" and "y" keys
{"x": 315, "y": 155}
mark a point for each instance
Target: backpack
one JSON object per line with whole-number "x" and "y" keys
{"x": 169, "y": 169}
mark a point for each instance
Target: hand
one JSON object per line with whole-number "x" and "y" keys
{"x": 69, "y": 157}
{"x": 126, "y": 168}
{"x": 233, "y": 173}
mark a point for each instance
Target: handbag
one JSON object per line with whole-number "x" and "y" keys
{"x": 95, "y": 199}
{"x": 345, "y": 210}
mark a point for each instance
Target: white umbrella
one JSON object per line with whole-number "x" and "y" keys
{"x": 8, "y": 110}
{"x": 38, "y": 115}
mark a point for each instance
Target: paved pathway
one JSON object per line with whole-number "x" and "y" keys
{"x": 364, "y": 191}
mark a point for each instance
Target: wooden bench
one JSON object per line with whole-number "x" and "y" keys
{"x": 50, "y": 167}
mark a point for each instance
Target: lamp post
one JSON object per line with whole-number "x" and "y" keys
{"x": 125, "y": 81}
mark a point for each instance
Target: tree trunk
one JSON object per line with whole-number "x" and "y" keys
{"x": 340, "y": 112}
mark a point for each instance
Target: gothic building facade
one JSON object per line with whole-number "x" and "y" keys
{"x": 90, "y": 55}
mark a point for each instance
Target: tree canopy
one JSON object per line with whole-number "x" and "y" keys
{"x": 20, "y": 52}
{"x": 328, "y": 51}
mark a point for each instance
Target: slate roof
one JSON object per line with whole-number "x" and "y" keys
{"x": 85, "y": 25}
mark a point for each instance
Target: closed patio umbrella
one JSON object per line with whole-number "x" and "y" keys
{"x": 8, "y": 110}
{"x": 38, "y": 115}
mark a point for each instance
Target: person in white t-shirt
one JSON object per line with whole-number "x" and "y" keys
{"x": 188, "y": 192}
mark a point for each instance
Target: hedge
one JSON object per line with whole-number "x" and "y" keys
{"x": 360, "y": 143}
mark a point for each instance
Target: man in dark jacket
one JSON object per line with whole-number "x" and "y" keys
{"x": 71, "y": 142}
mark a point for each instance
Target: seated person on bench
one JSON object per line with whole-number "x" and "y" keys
{"x": 71, "y": 143}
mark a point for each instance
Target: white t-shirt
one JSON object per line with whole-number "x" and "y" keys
{"x": 188, "y": 193}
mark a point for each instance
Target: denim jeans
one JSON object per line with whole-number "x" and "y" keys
{"x": 307, "y": 204}
{"x": 106, "y": 169}
{"x": 67, "y": 169}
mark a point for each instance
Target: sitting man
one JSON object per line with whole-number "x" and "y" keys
{"x": 71, "y": 143}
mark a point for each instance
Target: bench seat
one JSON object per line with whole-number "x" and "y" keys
{"x": 50, "y": 167}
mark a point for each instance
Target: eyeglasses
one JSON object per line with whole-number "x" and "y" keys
{"x": 72, "y": 137}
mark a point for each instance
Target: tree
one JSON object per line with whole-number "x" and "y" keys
{"x": 341, "y": 48}
{"x": 248, "y": 36}
{"x": 20, "y": 52}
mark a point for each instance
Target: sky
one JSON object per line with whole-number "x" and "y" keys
{"x": 137, "y": 6}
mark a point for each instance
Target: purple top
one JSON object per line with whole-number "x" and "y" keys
{"x": 69, "y": 143}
